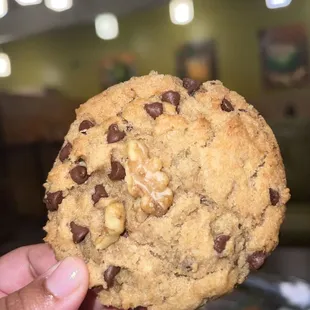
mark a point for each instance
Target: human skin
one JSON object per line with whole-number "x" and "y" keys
{"x": 31, "y": 278}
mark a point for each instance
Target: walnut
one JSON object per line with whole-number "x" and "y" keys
{"x": 146, "y": 180}
{"x": 114, "y": 220}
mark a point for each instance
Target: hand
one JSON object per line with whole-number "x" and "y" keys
{"x": 31, "y": 278}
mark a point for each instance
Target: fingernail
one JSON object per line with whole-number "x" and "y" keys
{"x": 65, "y": 279}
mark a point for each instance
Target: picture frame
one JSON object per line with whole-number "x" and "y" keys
{"x": 197, "y": 60}
{"x": 284, "y": 57}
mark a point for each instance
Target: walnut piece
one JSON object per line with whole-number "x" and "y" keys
{"x": 114, "y": 220}
{"x": 146, "y": 180}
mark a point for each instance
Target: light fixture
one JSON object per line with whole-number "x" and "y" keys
{"x": 59, "y": 5}
{"x": 28, "y": 2}
{"x": 5, "y": 65}
{"x": 106, "y": 26}
{"x": 3, "y": 7}
{"x": 181, "y": 11}
{"x": 276, "y": 4}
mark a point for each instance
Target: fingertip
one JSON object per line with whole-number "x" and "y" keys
{"x": 67, "y": 282}
{"x": 81, "y": 266}
{"x": 84, "y": 273}
{"x": 70, "y": 277}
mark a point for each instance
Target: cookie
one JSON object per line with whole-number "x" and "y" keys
{"x": 171, "y": 191}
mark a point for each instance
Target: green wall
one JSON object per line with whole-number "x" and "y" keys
{"x": 51, "y": 58}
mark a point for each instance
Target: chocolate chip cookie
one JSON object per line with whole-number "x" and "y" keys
{"x": 170, "y": 190}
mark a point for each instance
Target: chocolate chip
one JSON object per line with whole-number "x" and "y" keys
{"x": 227, "y": 106}
{"x": 191, "y": 85}
{"x": 53, "y": 200}
{"x": 220, "y": 243}
{"x": 110, "y": 274}
{"x": 274, "y": 196}
{"x": 65, "y": 152}
{"x": 117, "y": 171}
{"x": 172, "y": 97}
{"x": 79, "y": 174}
{"x": 100, "y": 192}
{"x": 242, "y": 110}
{"x": 97, "y": 289}
{"x": 114, "y": 134}
{"x": 78, "y": 232}
{"x": 154, "y": 109}
{"x": 256, "y": 260}
{"x": 140, "y": 308}
{"x": 86, "y": 124}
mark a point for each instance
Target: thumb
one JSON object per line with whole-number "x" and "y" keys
{"x": 63, "y": 287}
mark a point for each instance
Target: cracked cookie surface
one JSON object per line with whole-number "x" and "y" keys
{"x": 170, "y": 190}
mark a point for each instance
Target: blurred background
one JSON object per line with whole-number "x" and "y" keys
{"x": 55, "y": 54}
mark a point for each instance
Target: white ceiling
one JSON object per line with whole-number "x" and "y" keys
{"x": 24, "y": 21}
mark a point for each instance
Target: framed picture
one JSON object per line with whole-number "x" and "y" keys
{"x": 284, "y": 56}
{"x": 116, "y": 69}
{"x": 197, "y": 60}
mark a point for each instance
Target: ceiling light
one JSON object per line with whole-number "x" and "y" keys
{"x": 276, "y": 4}
{"x": 181, "y": 11}
{"x": 3, "y": 7}
{"x": 5, "y": 65}
{"x": 59, "y": 5}
{"x": 28, "y": 2}
{"x": 106, "y": 26}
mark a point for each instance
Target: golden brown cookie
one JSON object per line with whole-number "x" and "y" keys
{"x": 170, "y": 190}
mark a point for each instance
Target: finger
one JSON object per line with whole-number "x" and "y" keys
{"x": 63, "y": 287}
{"x": 19, "y": 267}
